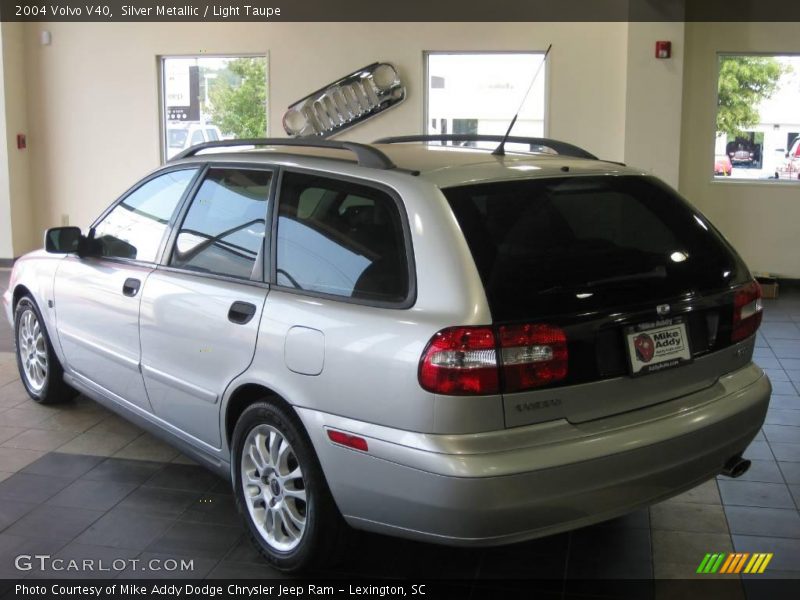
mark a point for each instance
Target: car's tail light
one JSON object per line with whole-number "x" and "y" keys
{"x": 747, "y": 311}
{"x": 532, "y": 356}
{"x": 463, "y": 360}
{"x": 460, "y": 361}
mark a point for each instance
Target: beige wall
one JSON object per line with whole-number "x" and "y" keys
{"x": 762, "y": 220}
{"x": 93, "y": 96}
{"x": 6, "y": 242}
{"x": 24, "y": 234}
{"x": 653, "y": 101}
{"x": 89, "y": 103}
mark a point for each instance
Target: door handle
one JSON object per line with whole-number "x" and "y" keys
{"x": 241, "y": 312}
{"x": 131, "y": 286}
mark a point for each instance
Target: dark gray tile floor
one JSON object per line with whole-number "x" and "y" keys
{"x": 75, "y": 482}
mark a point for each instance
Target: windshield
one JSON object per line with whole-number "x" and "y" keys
{"x": 588, "y": 243}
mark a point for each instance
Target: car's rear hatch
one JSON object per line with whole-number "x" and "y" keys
{"x": 643, "y": 288}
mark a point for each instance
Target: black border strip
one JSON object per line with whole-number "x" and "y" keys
{"x": 408, "y": 10}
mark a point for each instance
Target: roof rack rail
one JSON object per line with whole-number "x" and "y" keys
{"x": 563, "y": 148}
{"x": 367, "y": 155}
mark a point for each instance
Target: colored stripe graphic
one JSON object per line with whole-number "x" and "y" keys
{"x": 703, "y": 564}
{"x": 727, "y": 564}
{"x": 740, "y": 563}
{"x": 712, "y": 564}
{"x": 758, "y": 563}
{"x": 731, "y": 563}
{"x": 754, "y": 564}
{"x": 734, "y": 563}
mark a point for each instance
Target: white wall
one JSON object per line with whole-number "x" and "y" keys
{"x": 760, "y": 218}
{"x": 93, "y": 94}
{"x": 654, "y": 98}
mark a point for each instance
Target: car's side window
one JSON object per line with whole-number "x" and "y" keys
{"x": 223, "y": 231}
{"x": 340, "y": 238}
{"x": 135, "y": 226}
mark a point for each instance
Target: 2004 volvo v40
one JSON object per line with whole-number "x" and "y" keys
{"x": 432, "y": 342}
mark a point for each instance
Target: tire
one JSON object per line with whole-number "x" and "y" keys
{"x": 39, "y": 369}
{"x": 292, "y": 534}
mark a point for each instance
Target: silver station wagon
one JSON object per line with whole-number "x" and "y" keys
{"x": 427, "y": 341}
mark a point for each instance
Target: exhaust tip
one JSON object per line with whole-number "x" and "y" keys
{"x": 736, "y": 467}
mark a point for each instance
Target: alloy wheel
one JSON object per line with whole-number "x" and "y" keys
{"x": 274, "y": 488}
{"x": 32, "y": 349}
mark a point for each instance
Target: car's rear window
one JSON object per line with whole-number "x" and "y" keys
{"x": 588, "y": 243}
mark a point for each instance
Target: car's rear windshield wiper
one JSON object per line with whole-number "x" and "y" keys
{"x": 659, "y": 272}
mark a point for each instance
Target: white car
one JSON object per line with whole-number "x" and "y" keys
{"x": 181, "y": 136}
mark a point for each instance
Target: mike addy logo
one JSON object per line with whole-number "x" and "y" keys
{"x": 734, "y": 563}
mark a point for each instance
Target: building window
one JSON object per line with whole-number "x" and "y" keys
{"x": 471, "y": 92}
{"x": 757, "y": 117}
{"x": 207, "y": 98}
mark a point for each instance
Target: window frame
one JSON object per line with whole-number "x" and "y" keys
{"x": 199, "y": 170}
{"x": 426, "y": 83}
{"x": 183, "y": 209}
{"x": 272, "y": 263}
{"x": 714, "y": 180}
{"x": 162, "y": 98}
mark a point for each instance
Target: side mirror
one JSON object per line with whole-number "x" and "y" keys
{"x": 62, "y": 240}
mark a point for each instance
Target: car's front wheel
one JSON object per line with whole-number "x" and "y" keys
{"x": 39, "y": 369}
{"x": 281, "y": 491}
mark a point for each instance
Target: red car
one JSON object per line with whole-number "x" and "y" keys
{"x": 722, "y": 165}
{"x": 790, "y": 169}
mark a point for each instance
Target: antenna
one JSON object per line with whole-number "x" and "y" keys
{"x": 501, "y": 149}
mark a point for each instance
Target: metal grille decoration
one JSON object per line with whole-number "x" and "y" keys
{"x": 346, "y": 102}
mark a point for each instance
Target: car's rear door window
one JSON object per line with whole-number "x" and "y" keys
{"x": 339, "y": 238}
{"x": 587, "y": 243}
{"x": 223, "y": 231}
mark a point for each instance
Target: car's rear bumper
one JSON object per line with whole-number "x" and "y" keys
{"x": 526, "y": 482}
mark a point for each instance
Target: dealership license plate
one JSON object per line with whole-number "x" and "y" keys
{"x": 657, "y": 346}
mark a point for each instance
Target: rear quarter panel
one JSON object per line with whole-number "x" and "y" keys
{"x": 371, "y": 354}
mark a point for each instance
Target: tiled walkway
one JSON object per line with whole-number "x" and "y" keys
{"x": 79, "y": 482}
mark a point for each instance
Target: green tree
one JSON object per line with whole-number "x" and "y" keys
{"x": 744, "y": 82}
{"x": 239, "y": 102}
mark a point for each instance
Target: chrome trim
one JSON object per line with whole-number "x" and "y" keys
{"x": 347, "y": 102}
